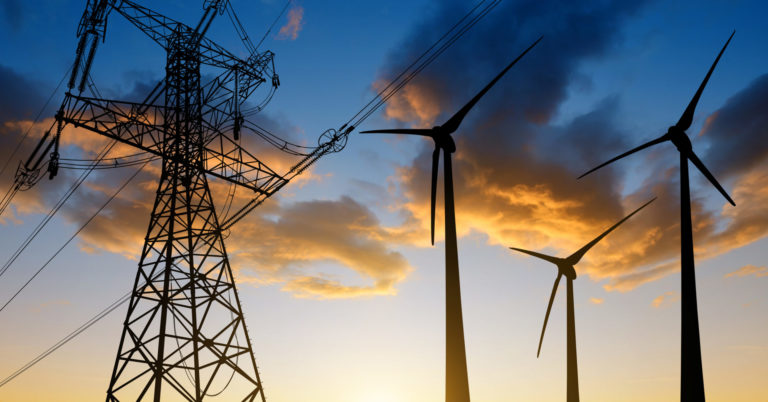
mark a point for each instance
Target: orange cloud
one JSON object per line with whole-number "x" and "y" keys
{"x": 418, "y": 102}
{"x": 332, "y": 249}
{"x": 515, "y": 168}
{"x": 596, "y": 300}
{"x": 539, "y": 217}
{"x": 515, "y": 182}
{"x": 343, "y": 234}
{"x": 295, "y": 22}
{"x": 665, "y": 299}
{"x": 748, "y": 270}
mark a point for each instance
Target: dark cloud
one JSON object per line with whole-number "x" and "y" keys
{"x": 738, "y": 132}
{"x": 506, "y": 142}
{"x": 21, "y": 98}
{"x": 279, "y": 243}
{"x": 573, "y": 32}
{"x": 515, "y": 170}
{"x": 507, "y": 133}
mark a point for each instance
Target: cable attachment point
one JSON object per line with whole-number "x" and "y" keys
{"x": 333, "y": 140}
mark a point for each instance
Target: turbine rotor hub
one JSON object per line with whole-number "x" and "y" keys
{"x": 680, "y": 139}
{"x": 568, "y": 270}
{"x": 445, "y": 141}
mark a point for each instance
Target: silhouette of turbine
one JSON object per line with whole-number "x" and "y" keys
{"x": 691, "y": 376}
{"x": 456, "y": 380}
{"x": 565, "y": 267}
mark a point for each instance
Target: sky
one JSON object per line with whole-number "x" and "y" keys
{"x": 341, "y": 290}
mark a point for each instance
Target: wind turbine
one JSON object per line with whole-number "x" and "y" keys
{"x": 565, "y": 267}
{"x": 691, "y": 376}
{"x": 456, "y": 380}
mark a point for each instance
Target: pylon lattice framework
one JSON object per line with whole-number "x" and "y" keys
{"x": 184, "y": 324}
{"x": 184, "y": 337}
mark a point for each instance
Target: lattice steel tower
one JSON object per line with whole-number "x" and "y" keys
{"x": 184, "y": 335}
{"x": 184, "y": 315}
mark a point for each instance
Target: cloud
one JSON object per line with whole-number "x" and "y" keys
{"x": 294, "y": 24}
{"x": 514, "y": 171}
{"x": 414, "y": 103}
{"x": 342, "y": 233}
{"x": 665, "y": 299}
{"x": 279, "y": 244}
{"x": 596, "y": 300}
{"x": 748, "y": 270}
{"x": 13, "y": 13}
{"x": 736, "y": 132}
{"x": 515, "y": 168}
{"x": 316, "y": 249}
{"x": 21, "y": 98}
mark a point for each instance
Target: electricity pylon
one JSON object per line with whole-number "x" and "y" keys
{"x": 184, "y": 318}
{"x": 184, "y": 336}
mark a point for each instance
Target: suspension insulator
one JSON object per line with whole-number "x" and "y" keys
{"x": 88, "y": 63}
{"x": 78, "y": 57}
{"x": 53, "y": 166}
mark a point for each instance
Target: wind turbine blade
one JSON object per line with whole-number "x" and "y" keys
{"x": 435, "y": 166}
{"x": 427, "y": 132}
{"x": 549, "y": 308}
{"x": 630, "y": 152}
{"x": 703, "y": 169}
{"x": 576, "y": 257}
{"x": 453, "y": 123}
{"x": 544, "y": 257}
{"x": 687, "y": 117}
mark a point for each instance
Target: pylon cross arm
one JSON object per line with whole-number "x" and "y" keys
{"x": 141, "y": 126}
{"x": 162, "y": 29}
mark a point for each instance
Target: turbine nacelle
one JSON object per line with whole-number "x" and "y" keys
{"x": 442, "y": 134}
{"x": 676, "y": 134}
{"x": 567, "y": 269}
{"x": 444, "y": 140}
{"x": 565, "y": 266}
{"x": 680, "y": 138}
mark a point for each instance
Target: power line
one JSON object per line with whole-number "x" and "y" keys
{"x": 17, "y": 185}
{"x": 379, "y": 95}
{"x": 40, "y": 113}
{"x": 72, "y": 335}
{"x": 382, "y": 99}
{"x": 287, "y": 3}
{"x": 456, "y": 36}
{"x": 52, "y": 212}
{"x": 453, "y": 34}
{"x": 75, "y": 234}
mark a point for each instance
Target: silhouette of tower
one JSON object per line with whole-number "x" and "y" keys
{"x": 456, "y": 377}
{"x": 691, "y": 371}
{"x": 567, "y": 267}
{"x": 184, "y": 317}
{"x": 184, "y": 335}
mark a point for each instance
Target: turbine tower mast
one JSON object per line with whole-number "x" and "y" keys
{"x": 456, "y": 376}
{"x": 691, "y": 371}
